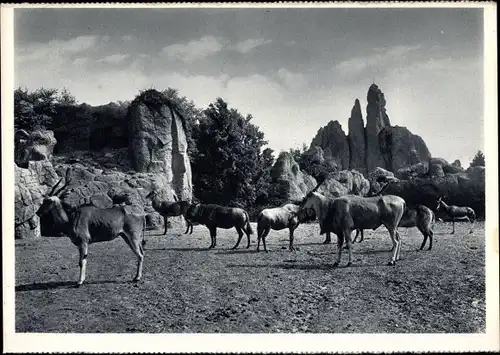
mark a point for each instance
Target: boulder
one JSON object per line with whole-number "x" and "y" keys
{"x": 298, "y": 184}
{"x": 413, "y": 171}
{"x": 157, "y": 140}
{"x": 376, "y": 120}
{"x": 31, "y": 185}
{"x": 360, "y": 185}
{"x": 344, "y": 182}
{"x": 34, "y": 146}
{"x": 377, "y": 173}
{"x": 457, "y": 163}
{"x": 400, "y": 148}
{"x": 357, "y": 139}
{"x": 333, "y": 141}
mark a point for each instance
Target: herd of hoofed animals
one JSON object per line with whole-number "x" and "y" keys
{"x": 89, "y": 224}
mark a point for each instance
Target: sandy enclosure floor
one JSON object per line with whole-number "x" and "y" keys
{"x": 187, "y": 288}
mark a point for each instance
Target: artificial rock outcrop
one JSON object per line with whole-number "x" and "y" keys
{"x": 157, "y": 141}
{"x": 333, "y": 140}
{"x": 377, "y": 145}
{"x": 34, "y": 146}
{"x": 32, "y": 184}
{"x": 357, "y": 139}
{"x": 286, "y": 169}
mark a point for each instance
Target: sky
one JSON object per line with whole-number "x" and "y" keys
{"x": 292, "y": 69}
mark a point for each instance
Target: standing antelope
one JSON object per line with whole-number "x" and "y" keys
{"x": 278, "y": 218}
{"x": 351, "y": 212}
{"x": 418, "y": 216}
{"x": 89, "y": 224}
{"x": 457, "y": 211}
{"x": 170, "y": 209}
{"x": 214, "y": 216}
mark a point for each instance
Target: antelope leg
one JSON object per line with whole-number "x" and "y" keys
{"x": 83, "y": 250}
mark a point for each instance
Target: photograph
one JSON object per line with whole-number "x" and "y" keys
{"x": 275, "y": 177}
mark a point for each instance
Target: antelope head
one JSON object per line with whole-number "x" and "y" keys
{"x": 53, "y": 197}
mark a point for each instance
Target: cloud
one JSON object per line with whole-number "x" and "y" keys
{"x": 56, "y": 48}
{"x": 114, "y": 58}
{"x": 249, "y": 44}
{"x": 293, "y": 81}
{"x": 192, "y": 51}
{"x": 381, "y": 57}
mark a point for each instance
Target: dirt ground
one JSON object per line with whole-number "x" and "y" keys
{"x": 188, "y": 288}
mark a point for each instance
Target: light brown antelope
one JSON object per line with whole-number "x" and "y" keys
{"x": 89, "y": 224}
{"x": 277, "y": 218}
{"x": 351, "y": 212}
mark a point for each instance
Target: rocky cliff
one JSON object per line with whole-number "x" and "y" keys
{"x": 157, "y": 140}
{"x": 334, "y": 143}
{"x": 378, "y": 145}
{"x": 357, "y": 139}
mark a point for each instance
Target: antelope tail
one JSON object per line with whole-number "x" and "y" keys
{"x": 248, "y": 226}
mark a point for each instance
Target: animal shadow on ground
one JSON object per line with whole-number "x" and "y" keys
{"x": 63, "y": 285}
{"x": 239, "y": 251}
{"x": 189, "y": 249}
{"x": 286, "y": 266}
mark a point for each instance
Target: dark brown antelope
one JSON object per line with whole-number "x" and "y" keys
{"x": 320, "y": 206}
{"x": 170, "y": 209}
{"x": 457, "y": 212}
{"x": 89, "y": 224}
{"x": 214, "y": 216}
{"x": 351, "y": 212}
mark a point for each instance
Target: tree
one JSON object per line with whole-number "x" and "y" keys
{"x": 229, "y": 164}
{"x": 35, "y": 109}
{"x": 478, "y": 159}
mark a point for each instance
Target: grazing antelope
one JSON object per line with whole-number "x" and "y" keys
{"x": 214, "y": 216}
{"x": 89, "y": 224}
{"x": 351, "y": 212}
{"x": 277, "y": 218}
{"x": 456, "y": 212}
{"x": 170, "y": 209}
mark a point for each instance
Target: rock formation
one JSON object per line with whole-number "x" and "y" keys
{"x": 286, "y": 169}
{"x": 333, "y": 141}
{"x": 344, "y": 182}
{"x": 400, "y": 148}
{"x": 157, "y": 141}
{"x": 377, "y": 145}
{"x": 376, "y": 120}
{"x": 357, "y": 139}
{"x": 34, "y": 146}
{"x": 32, "y": 183}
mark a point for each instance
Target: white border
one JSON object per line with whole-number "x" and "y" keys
{"x": 126, "y": 343}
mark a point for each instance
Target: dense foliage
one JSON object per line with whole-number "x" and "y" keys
{"x": 36, "y": 109}
{"x": 229, "y": 168}
{"x": 319, "y": 169}
{"x": 478, "y": 159}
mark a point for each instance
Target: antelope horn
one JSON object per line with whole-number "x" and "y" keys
{"x": 66, "y": 182}
{"x": 54, "y": 187}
